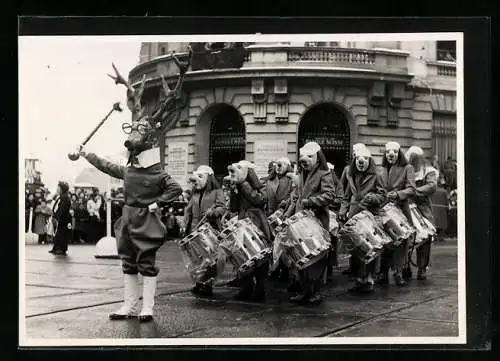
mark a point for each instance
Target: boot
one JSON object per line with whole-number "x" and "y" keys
{"x": 131, "y": 299}
{"x": 422, "y": 274}
{"x": 316, "y": 295}
{"x": 329, "y": 274}
{"x": 148, "y": 298}
{"x": 407, "y": 273}
{"x": 383, "y": 278}
{"x": 398, "y": 279}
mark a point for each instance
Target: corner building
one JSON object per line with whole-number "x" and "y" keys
{"x": 266, "y": 100}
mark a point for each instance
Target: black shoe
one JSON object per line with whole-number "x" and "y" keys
{"x": 145, "y": 318}
{"x": 346, "y": 272}
{"x": 383, "y": 279}
{"x": 206, "y": 291}
{"x": 407, "y": 274}
{"x": 315, "y": 299}
{"x": 398, "y": 279}
{"x": 368, "y": 288}
{"x": 117, "y": 317}
{"x": 243, "y": 296}
{"x": 299, "y": 298}
{"x": 422, "y": 275}
{"x": 52, "y": 251}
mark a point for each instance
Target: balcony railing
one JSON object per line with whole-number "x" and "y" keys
{"x": 441, "y": 68}
{"x": 280, "y": 55}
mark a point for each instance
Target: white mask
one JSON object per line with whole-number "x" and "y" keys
{"x": 362, "y": 163}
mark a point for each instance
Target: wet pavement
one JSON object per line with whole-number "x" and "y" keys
{"x": 71, "y": 297}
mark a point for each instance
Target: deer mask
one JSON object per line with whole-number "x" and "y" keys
{"x": 145, "y": 129}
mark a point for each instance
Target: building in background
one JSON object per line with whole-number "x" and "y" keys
{"x": 32, "y": 176}
{"x": 262, "y": 101}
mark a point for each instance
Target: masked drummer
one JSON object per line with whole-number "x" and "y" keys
{"x": 279, "y": 188}
{"x": 248, "y": 200}
{"x": 354, "y": 262}
{"x": 278, "y": 192}
{"x": 426, "y": 178}
{"x": 207, "y": 202}
{"x": 398, "y": 178}
{"x": 314, "y": 191}
{"x": 364, "y": 191}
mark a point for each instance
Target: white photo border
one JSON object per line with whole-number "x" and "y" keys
{"x": 24, "y": 341}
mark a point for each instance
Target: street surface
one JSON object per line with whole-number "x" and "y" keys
{"x": 71, "y": 297}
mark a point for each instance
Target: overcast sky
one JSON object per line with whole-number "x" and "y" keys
{"x": 63, "y": 93}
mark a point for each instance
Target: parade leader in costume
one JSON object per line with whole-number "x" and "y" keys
{"x": 147, "y": 187}
{"x": 139, "y": 231}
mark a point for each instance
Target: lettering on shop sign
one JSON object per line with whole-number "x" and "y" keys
{"x": 177, "y": 162}
{"x": 266, "y": 151}
{"x": 327, "y": 141}
{"x": 227, "y": 140}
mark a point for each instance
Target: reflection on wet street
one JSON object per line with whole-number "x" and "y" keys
{"x": 71, "y": 298}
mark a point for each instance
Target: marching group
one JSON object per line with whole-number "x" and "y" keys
{"x": 402, "y": 179}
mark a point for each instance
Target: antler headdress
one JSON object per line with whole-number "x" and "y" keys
{"x": 167, "y": 113}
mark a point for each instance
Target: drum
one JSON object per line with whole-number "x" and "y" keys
{"x": 303, "y": 240}
{"x": 426, "y": 231}
{"x": 395, "y": 224}
{"x": 275, "y": 220}
{"x": 200, "y": 250}
{"x": 244, "y": 246}
{"x": 364, "y": 236}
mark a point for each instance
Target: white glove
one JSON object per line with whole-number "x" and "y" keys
{"x": 81, "y": 150}
{"x": 153, "y": 207}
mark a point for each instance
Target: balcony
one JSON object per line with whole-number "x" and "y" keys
{"x": 441, "y": 74}
{"x": 283, "y": 59}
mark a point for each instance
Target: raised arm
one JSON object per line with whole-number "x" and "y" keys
{"x": 114, "y": 170}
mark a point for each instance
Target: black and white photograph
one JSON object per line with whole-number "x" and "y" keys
{"x": 242, "y": 189}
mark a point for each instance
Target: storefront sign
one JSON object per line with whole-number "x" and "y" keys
{"x": 331, "y": 142}
{"x": 266, "y": 151}
{"x": 177, "y": 162}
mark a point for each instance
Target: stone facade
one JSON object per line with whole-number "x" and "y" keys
{"x": 379, "y": 98}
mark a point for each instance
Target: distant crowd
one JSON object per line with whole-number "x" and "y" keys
{"x": 88, "y": 214}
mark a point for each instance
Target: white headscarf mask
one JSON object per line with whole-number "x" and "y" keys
{"x": 309, "y": 155}
{"x": 200, "y": 177}
{"x": 363, "y": 156}
{"x": 392, "y": 152}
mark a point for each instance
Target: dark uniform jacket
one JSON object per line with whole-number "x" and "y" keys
{"x": 250, "y": 202}
{"x": 359, "y": 186}
{"x": 426, "y": 185}
{"x": 199, "y": 203}
{"x": 278, "y": 190}
{"x": 318, "y": 188}
{"x": 142, "y": 187}
{"x": 400, "y": 178}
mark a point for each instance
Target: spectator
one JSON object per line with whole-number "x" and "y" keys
{"x": 452, "y": 214}
{"x": 440, "y": 208}
{"x": 62, "y": 219}
{"x": 30, "y": 204}
{"x": 81, "y": 220}
{"x": 42, "y": 215}
{"x": 93, "y": 206}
